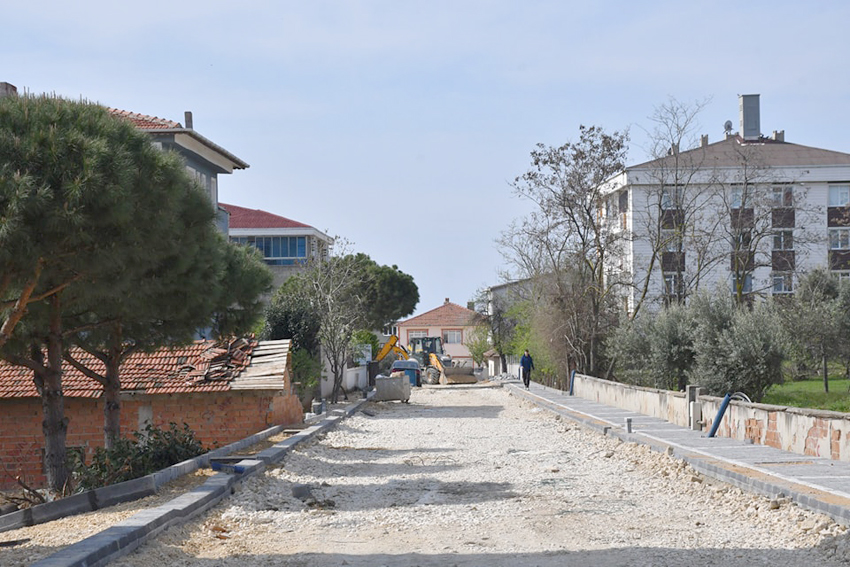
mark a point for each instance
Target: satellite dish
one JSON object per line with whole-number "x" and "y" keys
{"x": 727, "y": 126}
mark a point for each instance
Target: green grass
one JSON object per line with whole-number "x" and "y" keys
{"x": 810, "y": 394}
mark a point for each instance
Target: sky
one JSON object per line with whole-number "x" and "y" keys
{"x": 399, "y": 125}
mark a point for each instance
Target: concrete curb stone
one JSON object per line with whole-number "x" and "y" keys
{"x": 124, "y": 537}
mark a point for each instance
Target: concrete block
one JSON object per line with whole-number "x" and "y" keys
{"x": 125, "y": 491}
{"x": 69, "y": 506}
{"x": 15, "y": 520}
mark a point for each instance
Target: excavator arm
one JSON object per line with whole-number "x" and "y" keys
{"x": 392, "y": 345}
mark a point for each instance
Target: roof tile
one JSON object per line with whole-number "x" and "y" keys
{"x": 203, "y": 366}
{"x": 240, "y": 217}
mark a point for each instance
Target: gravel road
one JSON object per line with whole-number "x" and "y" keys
{"x": 478, "y": 477}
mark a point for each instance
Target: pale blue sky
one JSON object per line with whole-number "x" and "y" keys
{"x": 399, "y": 124}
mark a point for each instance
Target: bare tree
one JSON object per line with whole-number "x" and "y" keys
{"x": 676, "y": 218}
{"x": 761, "y": 206}
{"x": 335, "y": 289}
{"x": 563, "y": 246}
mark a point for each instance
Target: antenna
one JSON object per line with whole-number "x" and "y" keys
{"x": 727, "y": 127}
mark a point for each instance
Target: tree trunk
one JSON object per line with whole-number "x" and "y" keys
{"x": 55, "y": 424}
{"x": 825, "y": 372}
{"x": 112, "y": 402}
{"x": 504, "y": 361}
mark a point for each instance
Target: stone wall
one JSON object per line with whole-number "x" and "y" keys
{"x": 808, "y": 432}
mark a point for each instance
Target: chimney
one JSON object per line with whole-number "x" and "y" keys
{"x": 447, "y": 301}
{"x": 703, "y": 140}
{"x": 7, "y": 89}
{"x": 187, "y": 118}
{"x": 750, "y": 122}
{"x": 779, "y": 136}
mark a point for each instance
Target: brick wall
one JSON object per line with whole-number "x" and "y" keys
{"x": 220, "y": 418}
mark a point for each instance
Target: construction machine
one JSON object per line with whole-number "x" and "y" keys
{"x": 438, "y": 365}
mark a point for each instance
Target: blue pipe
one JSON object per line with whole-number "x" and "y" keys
{"x": 572, "y": 382}
{"x": 719, "y": 415}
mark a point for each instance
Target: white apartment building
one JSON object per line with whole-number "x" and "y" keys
{"x": 749, "y": 213}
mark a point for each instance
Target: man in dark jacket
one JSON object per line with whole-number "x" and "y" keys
{"x": 527, "y": 364}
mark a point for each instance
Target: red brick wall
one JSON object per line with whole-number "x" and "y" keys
{"x": 214, "y": 417}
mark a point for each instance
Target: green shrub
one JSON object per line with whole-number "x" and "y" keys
{"x": 148, "y": 451}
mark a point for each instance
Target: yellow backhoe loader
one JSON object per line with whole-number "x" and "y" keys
{"x": 437, "y": 366}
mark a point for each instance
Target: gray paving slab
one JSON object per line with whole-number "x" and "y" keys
{"x": 815, "y": 483}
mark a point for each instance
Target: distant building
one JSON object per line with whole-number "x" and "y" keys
{"x": 449, "y": 321}
{"x": 287, "y": 245}
{"x": 204, "y": 159}
{"x": 749, "y": 213}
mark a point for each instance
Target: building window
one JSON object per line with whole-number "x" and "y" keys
{"x": 416, "y": 334}
{"x": 452, "y": 337}
{"x": 782, "y": 283}
{"x": 783, "y": 196}
{"x": 671, "y": 198}
{"x": 839, "y": 195}
{"x": 277, "y": 250}
{"x": 670, "y": 241}
{"x": 742, "y": 240}
{"x": 736, "y": 197}
{"x": 839, "y": 238}
{"x": 843, "y": 276}
{"x": 747, "y": 283}
{"x": 672, "y": 284}
{"x": 783, "y": 240}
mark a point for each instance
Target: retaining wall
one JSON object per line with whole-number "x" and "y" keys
{"x": 803, "y": 431}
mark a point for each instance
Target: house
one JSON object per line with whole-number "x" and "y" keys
{"x": 223, "y": 391}
{"x": 747, "y": 213}
{"x": 287, "y": 245}
{"x": 450, "y": 321}
{"x": 204, "y": 159}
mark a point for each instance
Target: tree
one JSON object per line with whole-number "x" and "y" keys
{"x": 291, "y": 315}
{"x": 154, "y": 299}
{"x": 66, "y": 204}
{"x": 814, "y": 319}
{"x": 677, "y": 219}
{"x": 334, "y": 289}
{"x": 389, "y": 294}
{"x": 244, "y": 280}
{"x": 478, "y": 343}
{"x": 656, "y": 350}
{"x": 494, "y": 308}
{"x": 563, "y": 246}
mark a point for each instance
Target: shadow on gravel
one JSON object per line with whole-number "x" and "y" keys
{"x": 411, "y": 492}
{"x": 404, "y": 411}
{"x": 617, "y": 557}
{"x": 411, "y": 466}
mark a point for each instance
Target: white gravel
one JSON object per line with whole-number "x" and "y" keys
{"x": 478, "y": 477}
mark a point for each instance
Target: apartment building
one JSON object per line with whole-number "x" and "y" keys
{"x": 749, "y": 213}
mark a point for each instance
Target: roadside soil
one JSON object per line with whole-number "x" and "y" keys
{"x": 26, "y": 545}
{"x": 463, "y": 477}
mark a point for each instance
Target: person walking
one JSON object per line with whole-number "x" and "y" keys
{"x": 527, "y": 364}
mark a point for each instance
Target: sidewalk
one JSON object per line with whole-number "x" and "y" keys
{"x": 815, "y": 483}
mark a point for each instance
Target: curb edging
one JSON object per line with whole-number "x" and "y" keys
{"x": 122, "y": 538}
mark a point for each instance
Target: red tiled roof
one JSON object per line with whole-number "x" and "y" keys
{"x": 145, "y": 122}
{"x": 240, "y": 217}
{"x": 446, "y": 315}
{"x": 204, "y": 366}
